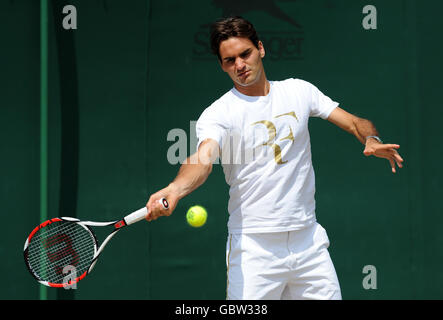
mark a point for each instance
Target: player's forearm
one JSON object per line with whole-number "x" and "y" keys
{"x": 363, "y": 128}
{"x": 191, "y": 175}
{"x": 195, "y": 170}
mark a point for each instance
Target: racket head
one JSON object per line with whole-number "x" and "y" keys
{"x": 57, "y": 247}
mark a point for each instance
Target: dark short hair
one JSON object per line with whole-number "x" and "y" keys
{"x": 226, "y": 28}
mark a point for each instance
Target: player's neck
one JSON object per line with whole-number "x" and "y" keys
{"x": 261, "y": 88}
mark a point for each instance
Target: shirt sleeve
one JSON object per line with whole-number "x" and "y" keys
{"x": 320, "y": 105}
{"x": 212, "y": 124}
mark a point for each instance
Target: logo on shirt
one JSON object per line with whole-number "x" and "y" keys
{"x": 272, "y": 142}
{"x": 263, "y": 143}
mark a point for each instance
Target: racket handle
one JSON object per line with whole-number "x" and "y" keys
{"x": 136, "y": 216}
{"x": 140, "y": 214}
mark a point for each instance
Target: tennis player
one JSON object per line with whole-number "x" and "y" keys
{"x": 275, "y": 249}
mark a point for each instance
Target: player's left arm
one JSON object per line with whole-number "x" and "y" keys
{"x": 363, "y": 128}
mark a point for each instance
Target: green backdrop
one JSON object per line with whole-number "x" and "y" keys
{"x": 133, "y": 71}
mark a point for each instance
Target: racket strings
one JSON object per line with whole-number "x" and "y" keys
{"x": 53, "y": 250}
{"x": 55, "y": 242}
{"x": 53, "y": 238}
{"x": 57, "y": 246}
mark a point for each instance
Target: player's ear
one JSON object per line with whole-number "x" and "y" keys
{"x": 261, "y": 49}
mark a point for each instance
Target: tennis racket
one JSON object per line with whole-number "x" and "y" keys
{"x": 60, "y": 245}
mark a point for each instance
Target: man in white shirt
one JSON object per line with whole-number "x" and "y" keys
{"x": 259, "y": 129}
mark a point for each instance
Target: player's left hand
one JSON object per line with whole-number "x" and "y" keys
{"x": 386, "y": 151}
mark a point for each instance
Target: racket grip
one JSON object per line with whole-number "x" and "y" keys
{"x": 140, "y": 214}
{"x": 136, "y": 216}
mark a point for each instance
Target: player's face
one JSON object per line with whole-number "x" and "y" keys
{"x": 242, "y": 61}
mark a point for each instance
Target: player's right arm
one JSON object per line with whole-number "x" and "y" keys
{"x": 192, "y": 174}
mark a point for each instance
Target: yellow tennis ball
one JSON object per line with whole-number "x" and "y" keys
{"x": 196, "y": 216}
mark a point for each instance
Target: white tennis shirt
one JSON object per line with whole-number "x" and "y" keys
{"x": 266, "y": 154}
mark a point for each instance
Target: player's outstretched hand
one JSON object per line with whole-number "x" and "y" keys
{"x": 154, "y": 206}
{"x": 386, "y": 151}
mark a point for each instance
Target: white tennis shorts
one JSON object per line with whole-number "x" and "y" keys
{"x": 291, "y": 265}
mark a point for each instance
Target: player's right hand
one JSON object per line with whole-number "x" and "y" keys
{"x": 154, "y": 206}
